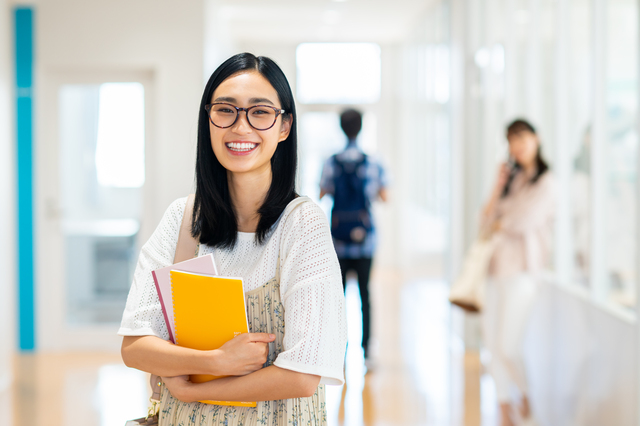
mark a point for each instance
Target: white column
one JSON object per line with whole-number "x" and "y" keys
{"x": 473, "y": 123}
{"x": 637, "y": 283}
{"x": 599, "y": 280}
{"x": 562, "y": 167}
{"x": 533, "y": 77}
{"x": 8, "y": 205}
{"x": 511, "y": 77}
{"x": 457, "y": 84}
{"x": 457, "y": 205}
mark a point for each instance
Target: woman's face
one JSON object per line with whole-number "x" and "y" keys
{"x": 523, "y": 147}
{"x": 241, "y": 148}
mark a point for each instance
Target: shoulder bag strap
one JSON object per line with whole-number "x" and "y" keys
{"x": 187, "y": 245}
{"x": 185, "y": 249}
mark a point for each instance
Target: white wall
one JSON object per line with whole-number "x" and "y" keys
{"x": 160, "y": 43}
{"x": 7, "y": 206}
{"x": 581, "y": 362}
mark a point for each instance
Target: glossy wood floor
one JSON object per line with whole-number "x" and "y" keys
{"x": 420, "y": 374}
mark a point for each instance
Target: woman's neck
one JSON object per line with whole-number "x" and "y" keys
{"x": 248, "y": 192}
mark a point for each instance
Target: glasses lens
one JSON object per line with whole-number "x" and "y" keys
{"x": 223, "y": 115}
{"x": 261, "y": 117}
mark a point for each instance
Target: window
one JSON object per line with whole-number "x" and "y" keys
{"x": 338, "y": 73}
{"x": 120, "y": 146}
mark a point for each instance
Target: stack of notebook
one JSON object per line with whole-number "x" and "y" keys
{"x": 202, "y": 310}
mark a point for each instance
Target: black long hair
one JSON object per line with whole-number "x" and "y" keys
{"x": 517, "y": 126}
{"x": 214, "y": 220}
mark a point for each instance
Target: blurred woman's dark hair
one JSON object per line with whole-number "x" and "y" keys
{"x": 351, "y": 122}
{"x": 214, "y": 219}
{"x": 517, "y": 126}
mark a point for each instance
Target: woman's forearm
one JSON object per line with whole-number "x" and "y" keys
{"x": 157, "y": 356}
{"x": 266, "y": 384}
{"x": 241, "y": 355}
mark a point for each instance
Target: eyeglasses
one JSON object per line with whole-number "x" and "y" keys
{"x": 260, "y": 117}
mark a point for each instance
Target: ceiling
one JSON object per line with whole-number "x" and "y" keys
{"x": 295, "y": 21}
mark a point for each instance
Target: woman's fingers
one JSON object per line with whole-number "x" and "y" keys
{"x": 262, "y": 337}
{"x": 177, "y": 386}
{"x": 503, "y": 175}
{"x": 244, "y": 354}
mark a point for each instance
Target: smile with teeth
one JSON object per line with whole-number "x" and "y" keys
{"x": 241, "y": 146}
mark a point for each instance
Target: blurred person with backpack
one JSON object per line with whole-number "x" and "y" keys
{"x": 354, "y": 180}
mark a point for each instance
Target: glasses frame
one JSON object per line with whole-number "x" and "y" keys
{"x": 278, "y": 112}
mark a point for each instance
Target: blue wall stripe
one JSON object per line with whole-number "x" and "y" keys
{"x": 24, "y": 151}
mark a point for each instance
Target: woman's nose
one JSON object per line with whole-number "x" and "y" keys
{"x": 242, "y": 123}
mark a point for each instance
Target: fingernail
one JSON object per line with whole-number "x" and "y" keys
{"x": 272, "y": 335}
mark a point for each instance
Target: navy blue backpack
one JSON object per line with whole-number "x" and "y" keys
{"x": 350, "y": 216}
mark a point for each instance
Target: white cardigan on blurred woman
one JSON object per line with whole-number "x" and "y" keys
{"x": 524, "y": 235}
{"x": 523, "y": 245}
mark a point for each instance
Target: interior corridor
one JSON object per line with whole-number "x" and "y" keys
{"x": 99, "y": 109}
{"x": 431, "y": 381}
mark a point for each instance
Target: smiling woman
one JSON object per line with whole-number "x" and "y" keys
{"x": 247, "y": 213}
{"x": 256, "y": 132}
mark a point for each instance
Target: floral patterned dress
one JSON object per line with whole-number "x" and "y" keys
{"x": 265, "y": 314}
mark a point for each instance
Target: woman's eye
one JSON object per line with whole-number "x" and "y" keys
{"x": 224, "y": 110}
{"x": 260, "y": 111}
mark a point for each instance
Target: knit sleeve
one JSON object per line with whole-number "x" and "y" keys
{"x": 311, "y": 286}
{"x": 143, "y": 314}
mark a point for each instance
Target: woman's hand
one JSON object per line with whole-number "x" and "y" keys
{"x": 179, "y": 387}
{"x": 243, "y": 354}
{"x": 503, "y": 177}
{"x": 489, "y": 209}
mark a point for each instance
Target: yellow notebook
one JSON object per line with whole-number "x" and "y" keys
{"x": 208, "y": 311}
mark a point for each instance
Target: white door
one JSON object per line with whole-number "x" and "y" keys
{"x": 91, "y": 176}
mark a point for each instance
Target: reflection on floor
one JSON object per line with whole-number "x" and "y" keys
{"x": 77, "y": 389}
{"x": 420, "y": 374}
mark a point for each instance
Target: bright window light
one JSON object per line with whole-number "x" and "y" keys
{"x": 120, "y": 145}
{"x": 338, "y": 73}
{"x": 441, "y": 91}
{"x": 436, "y": 73}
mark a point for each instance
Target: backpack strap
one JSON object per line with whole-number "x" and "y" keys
{"x": 187, "y": 245}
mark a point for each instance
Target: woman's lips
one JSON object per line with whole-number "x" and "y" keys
{"x": 241, "y": 147}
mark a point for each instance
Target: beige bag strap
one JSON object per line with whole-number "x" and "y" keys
{"x": 187, "y": 248}
{"x": 187, "y": 245}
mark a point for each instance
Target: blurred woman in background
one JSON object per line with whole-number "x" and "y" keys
{"x": 520, "y": 213}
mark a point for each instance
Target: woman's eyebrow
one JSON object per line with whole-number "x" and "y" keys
{"x": 260, "y": 101}
{"x": 235, "y": 101}
{"x": 225, "y": 99}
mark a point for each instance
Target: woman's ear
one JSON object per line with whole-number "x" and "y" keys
{"x": 285, "y": 127}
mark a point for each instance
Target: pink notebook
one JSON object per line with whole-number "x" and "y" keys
{"x": 162, "y": 278}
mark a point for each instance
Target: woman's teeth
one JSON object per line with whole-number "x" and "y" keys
{"x": 242, "y": 146}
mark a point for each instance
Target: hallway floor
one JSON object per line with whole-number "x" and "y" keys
{"x": 420, "y": 374}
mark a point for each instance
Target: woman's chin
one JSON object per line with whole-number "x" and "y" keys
{"x": 247, "y": 168}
